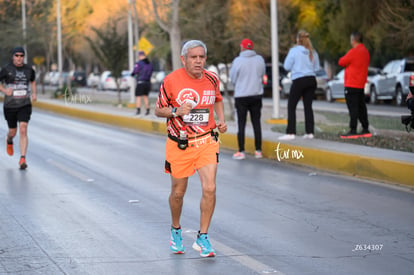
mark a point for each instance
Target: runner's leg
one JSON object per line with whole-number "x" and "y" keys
{"x": 23, "y": 138}
{"x": 11, "y": 134}
{"x": 208, "y": 200}
{"x": 178, "y": 189}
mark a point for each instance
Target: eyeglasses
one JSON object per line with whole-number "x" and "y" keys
{"x": 19, "y": 55}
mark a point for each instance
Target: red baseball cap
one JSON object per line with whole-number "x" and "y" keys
{"x": 247, "y": 44}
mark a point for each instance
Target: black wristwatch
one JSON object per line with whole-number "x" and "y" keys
{"x": 173, "y": 111}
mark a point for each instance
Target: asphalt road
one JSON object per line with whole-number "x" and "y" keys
{"x": 94, "y": 201}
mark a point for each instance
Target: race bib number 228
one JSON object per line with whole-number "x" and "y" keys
{"x": 197, "y": 117}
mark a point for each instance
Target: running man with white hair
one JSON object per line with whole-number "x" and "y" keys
{"x": 188, "y": 99}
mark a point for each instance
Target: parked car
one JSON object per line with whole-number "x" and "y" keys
{"x": 392, "y": 82}
{"x": 335, "y": 87}
{"x": 48, "y": 76}
{"x": 321, "y": 81}
{"x": 77, "y": 78}
{"x": 93, "y": 80}
{"x": 53, "y": 78}
{"x": 223, "y": 74}
{"x": 268, "y": 81}
{"x": 127, "y": 81}
{"x": 156, "y": 80}
{"x": 107, "y": 81}
{"x": 412, "y": 83}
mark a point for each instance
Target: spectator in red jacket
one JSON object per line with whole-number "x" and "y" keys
{"x": 356, "y": 62}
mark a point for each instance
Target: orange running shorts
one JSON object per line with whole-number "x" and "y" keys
{"x": 183, "y": 163}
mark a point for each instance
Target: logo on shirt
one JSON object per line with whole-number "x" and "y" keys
{"x": 188, "y": 95}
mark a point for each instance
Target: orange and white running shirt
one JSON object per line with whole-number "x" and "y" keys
{"x": 178, "y": 88}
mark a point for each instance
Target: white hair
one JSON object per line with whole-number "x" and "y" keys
{"x": 192, "y": 44}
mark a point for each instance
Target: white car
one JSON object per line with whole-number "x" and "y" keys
{"x": 156, "y": 80}
{"x": 93, "y": 80}
{"x": 223, "y": 73}
{"x": 335, "y": 87}
{"x": 127, "y": 81}
{"x": 107, "y": 81}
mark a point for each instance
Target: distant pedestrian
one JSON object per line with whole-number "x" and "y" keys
{"x": 302, "y": 61}
{"x": 142, "y": 72}
{"x": 246, "y": 73}
{"x": 356, "y": 62}
{"x": 20, "y": 91}
{"x": 190, "y": 98}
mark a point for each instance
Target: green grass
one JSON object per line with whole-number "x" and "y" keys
{"x": 388, "y": 132}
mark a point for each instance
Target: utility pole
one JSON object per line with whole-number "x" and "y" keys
{"x": 130, "y": 49}
{"x": 24, "y": 29}
{"x": 136, "y": 29}
{"x": 275, "y": 59}
{"x": 59, "y": 42}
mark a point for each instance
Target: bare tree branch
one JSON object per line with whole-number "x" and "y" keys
{"x": 161, "y": 23}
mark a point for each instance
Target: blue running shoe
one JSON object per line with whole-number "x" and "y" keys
{"x": 203, "y": 245}
{"x": 176, "y": 243}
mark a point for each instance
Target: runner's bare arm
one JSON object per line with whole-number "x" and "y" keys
{"x": 167, "y": 111}
{"x": 6, "y": 91}
{"x": 34, "y": 91}
{"x": 219, "y": 109}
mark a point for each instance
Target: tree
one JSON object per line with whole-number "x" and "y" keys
{"x": 395, "y": 27}
{"x": 111, "y": 48}
{"x": 171, "y": 26}
{"x": 11, "y": 28}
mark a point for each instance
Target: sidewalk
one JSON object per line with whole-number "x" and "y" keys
{"x": 376, "y": 164}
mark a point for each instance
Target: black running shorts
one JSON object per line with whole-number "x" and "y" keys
{"x": 143, "y": 88}
{"x": 14, "y": 115}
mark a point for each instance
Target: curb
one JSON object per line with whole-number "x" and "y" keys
{"x": 388, "y": 171}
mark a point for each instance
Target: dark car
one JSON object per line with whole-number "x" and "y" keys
{"x": 78, "y": 78}
{"x": 267, "y": 79}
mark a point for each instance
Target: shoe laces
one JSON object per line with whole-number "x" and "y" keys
{"x": 204, "y": 241}
{"x": 176, "y": 236}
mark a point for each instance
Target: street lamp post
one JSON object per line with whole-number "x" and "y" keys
{"x": 24, "y": 28}
{"x": 59, "y": 42}
{"x": 130, "y": 47}
{"x": 275, "y": 59}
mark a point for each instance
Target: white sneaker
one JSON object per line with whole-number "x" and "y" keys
{"x": 239, "y": 156}
{"x": 258, "y": 154}
{"x": 287, "y": 137}
{"x": 308, "y": 136}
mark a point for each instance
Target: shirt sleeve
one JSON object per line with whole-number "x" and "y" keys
{"x": 136, "y": 69}
{"x": 33, "y": 75}
{"x": 289, "y": 61}
{"x": 233, "y": 72}
{"x": 346, "y": 59}
{"x": 3, "y": 74}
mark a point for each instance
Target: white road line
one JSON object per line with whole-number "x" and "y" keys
{"x": 236, "y": 255}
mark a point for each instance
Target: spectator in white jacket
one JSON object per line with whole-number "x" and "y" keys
{"x": 246, "y": 74}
